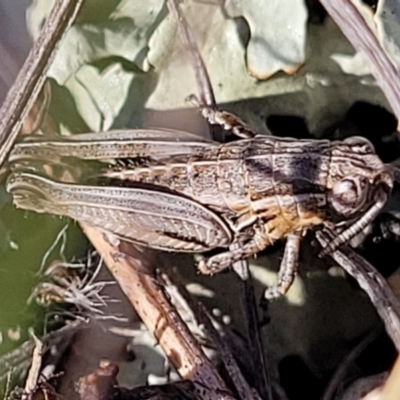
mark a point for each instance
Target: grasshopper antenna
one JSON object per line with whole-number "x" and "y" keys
{"x": 207, "y": 98}
{"x": 204, "y": 87}
{"x": 207, "y": 104}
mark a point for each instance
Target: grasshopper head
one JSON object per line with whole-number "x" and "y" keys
{"x": 356, "y": 176}
{"x": 360, "y": 184}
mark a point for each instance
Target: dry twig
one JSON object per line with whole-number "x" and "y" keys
{"x": 132, "y": 270}
{"x": 30, "y": 79}
{"x": 202, "y": 317}
{"x": 32, "y": 380}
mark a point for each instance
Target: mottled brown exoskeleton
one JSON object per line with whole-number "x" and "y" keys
{"x": 173, "y": 191}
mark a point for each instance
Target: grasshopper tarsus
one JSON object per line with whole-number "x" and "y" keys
{"x": 228, "y": 121}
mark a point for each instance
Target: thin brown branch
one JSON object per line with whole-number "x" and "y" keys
{"x": 132, "y": 270}
{"x": 32, "y": 379}
{"x": 202, "y": 318}
{"x": 30, "y": 79}
{"x": 373, "y": 283}
{"x": 359, "y": 34}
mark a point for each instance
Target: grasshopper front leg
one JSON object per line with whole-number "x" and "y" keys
{"x": 287, "y": 269}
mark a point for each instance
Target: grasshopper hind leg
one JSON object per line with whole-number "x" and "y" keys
{"x": 221, "y": 261}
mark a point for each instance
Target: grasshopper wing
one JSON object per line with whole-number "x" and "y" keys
{"x": 148, "y": 217}
{"x": 106, "y": 146}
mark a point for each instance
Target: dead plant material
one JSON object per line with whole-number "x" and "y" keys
{"x": 133, "y": 271}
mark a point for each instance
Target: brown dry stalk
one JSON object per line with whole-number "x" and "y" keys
{"x": 30, "y": 79}
{"x": 132, "y": 270}
{"x": 179, "y": 295}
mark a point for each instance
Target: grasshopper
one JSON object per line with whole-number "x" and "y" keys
{"x": 172, "y": 191}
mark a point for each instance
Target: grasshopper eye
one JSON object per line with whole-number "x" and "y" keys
{"x": 349, "y": 195}
{"x": 360, "y": 145}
